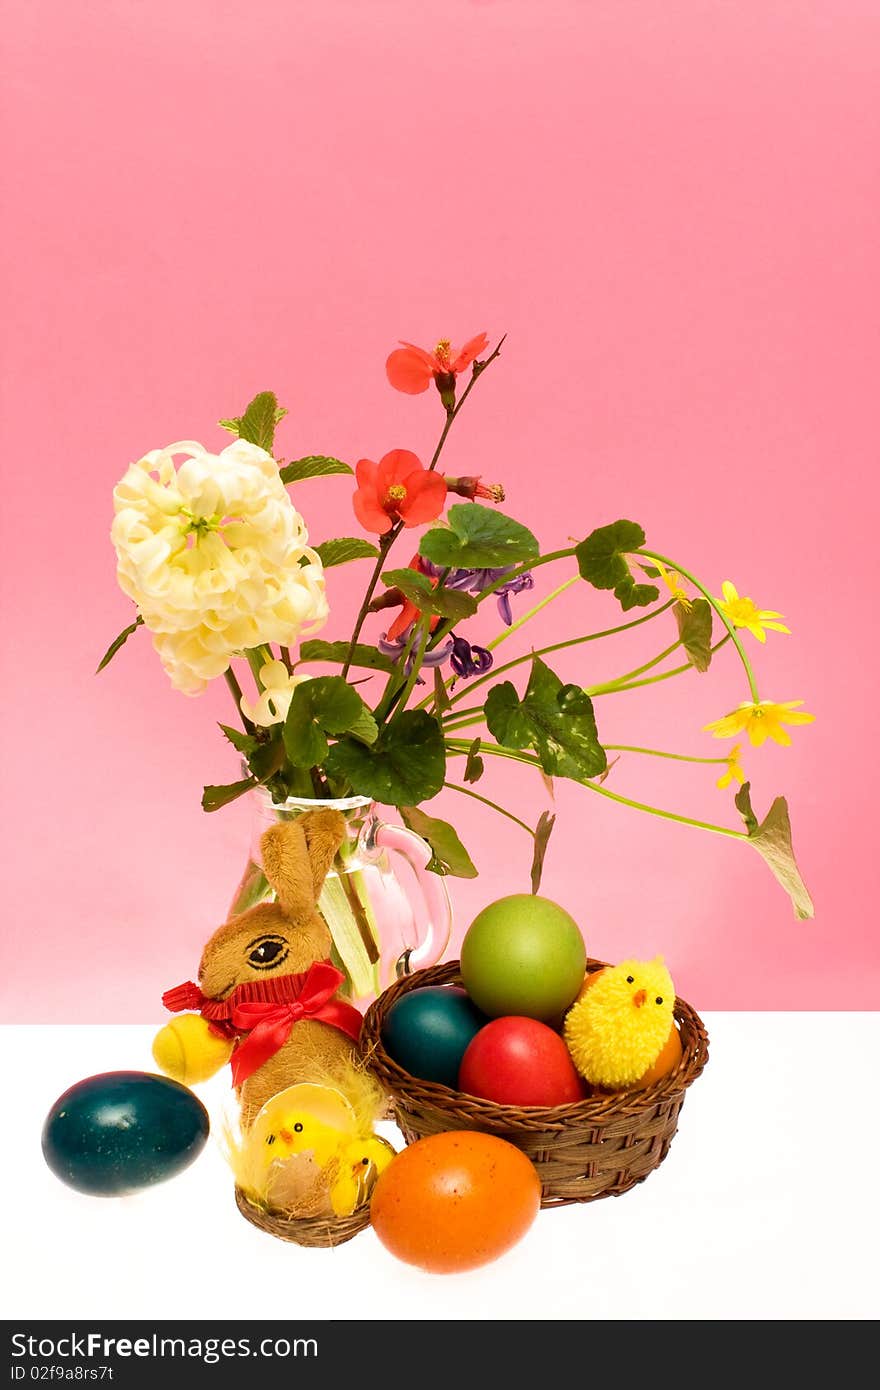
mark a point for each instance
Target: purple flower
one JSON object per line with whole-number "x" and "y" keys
{"x": 396, "y": 647}
{"x": 467, "y": 660}
{"x": 477, "y": 581}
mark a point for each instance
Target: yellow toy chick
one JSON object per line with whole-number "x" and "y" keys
{"x": 620, "y": 1031}
{"x": 307, "y": 1149}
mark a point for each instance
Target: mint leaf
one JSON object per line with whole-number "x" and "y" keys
{"x": 118, "y": 642}
{"x": 215, "y": 797}
{"x": 417, "y": 587}
{"x": 602, "y": 562}
{"x": 449, "y": 854}
{"x": 346, "y": 548}
{"x": 556, "y": 720}
{"x": 543, "y": 831}
{"x": 367, "y": 657}
{"x": 325, "y": 705}
{"x": 478, "y": 537}
{"x": 313, "y": 466}
{"x": 441, "y": 694}
{"x": 364, "y": 727}
{"x": 695, "y": 631}
{"x": 257, "y": 424}
{"x": 772, "y": 840}
{"x": 405, "y": 765}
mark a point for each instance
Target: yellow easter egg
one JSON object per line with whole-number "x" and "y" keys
{"x": 187, "y": 1051}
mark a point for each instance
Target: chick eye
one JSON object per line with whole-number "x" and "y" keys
{"x": 629, "y": 979}
{"x": 271, "y": 1139}
{"x": 297, "y": 1128}
{"x": 659, "y": 999}
{"x": 267, "y": 951}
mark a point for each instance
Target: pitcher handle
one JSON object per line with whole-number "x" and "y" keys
{"x": 439, "y": 929}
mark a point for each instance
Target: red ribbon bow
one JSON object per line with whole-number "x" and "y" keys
{"x": 266, "y": 1023}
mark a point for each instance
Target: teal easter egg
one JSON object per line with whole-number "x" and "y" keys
{"x": 427, "y": 1032}
{"x": 524, "y": 956}
{"x": 123, "y": 1130}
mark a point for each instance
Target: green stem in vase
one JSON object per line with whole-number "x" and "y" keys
{"x": 520, "y": 622}
{"x": 658, "y": 753}
{"x": 238, "y": 695}
{"x": 609, "y": 687}
{"x": 676, "y": 670}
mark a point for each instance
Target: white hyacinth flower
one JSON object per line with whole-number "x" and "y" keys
{"x": 211, "y": 554}
{"x": 272, "y": 704}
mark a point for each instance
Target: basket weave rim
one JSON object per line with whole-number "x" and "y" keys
{"x": 304, "y": 1230}
{"x": 593, "y": 1111}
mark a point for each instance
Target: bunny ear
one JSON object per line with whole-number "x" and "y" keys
{"x": 287, "y": 866}
{"x": 297, "y": 855}
{"x": 324, "y": 831}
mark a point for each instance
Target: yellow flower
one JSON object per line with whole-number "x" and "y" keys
{"x": 274, "y": 701}
{"x": 673, "y": 584}
{"x": 743, "y": 612}
{"x": 732, "y": 770}
{"x": 761, "y": 720}
{"x": 216, "y": 557}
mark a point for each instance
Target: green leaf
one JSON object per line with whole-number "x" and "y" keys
{"x": 475, "y": 766}
{"x": 556, "y": 720}
{"x": 441, "y": 694}
{"x": 365, "y": 727}
{"x": 215, "y": 797}
{"x": 339, "y": 552}
{"x": 695, "y": 631}
{"x": 449, "y": 855}
{"x": 417, "y": 587}
{"x": 367, "y": 657}
{"x": 772, "y": 840}
{"x": 405, "y": 765}
{"x": 242, "y": 743}
{"x": 257, "y": 424}
{"x": 118, "y": 642}
{"x": 325, "y": 705}
{"x": 543, "y": 831}
{"x": 602, "y": 562}
{"x": 313, "y": 466}
{"x": 478, "y": 537}
{"x": 267, "y": 759}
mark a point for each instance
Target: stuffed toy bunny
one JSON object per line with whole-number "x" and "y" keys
{"x": 266, "y": 997}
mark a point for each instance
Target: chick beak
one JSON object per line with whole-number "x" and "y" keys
{"x": 286, "y": 1135}
{"x": 639, "y": 998}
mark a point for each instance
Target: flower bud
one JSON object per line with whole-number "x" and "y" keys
{"x": 445, "y": 383}
{"x": 474, "y": 487}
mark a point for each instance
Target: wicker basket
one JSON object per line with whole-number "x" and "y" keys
{"x": 305, "y": 1230}
{"x": 596, "y": 1148}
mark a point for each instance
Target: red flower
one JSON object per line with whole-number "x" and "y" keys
{"x": 398, "y": 488}
{"x": 409, "y": 613}
{"x": 412, "y": 369}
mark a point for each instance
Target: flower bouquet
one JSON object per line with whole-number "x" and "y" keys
{"x": 215, "y": 555}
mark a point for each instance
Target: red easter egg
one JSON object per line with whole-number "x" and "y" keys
{"x": 519, "y": 1061}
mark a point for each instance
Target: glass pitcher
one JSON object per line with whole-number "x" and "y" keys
{"x": 387, "y": 913}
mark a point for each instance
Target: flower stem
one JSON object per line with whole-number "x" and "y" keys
{"x": 237, "y": 695}
{"x": 556, "y": 647}
{"x": 423, "y": 628}
{"x": 609, "y": 687}
{"x": 451, "y": 414}
{"x": 466, "y": 791}
{"x": 656, "y": 753}
{"x": 672, "y": 564}
{"x": 509, "y": 631}
{"x": 676, "y": 670}
{"x": 444, "y": 628}
{"x": 494, "y": 750}
{"x": 385, "y": 544}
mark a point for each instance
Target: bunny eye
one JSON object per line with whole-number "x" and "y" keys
{"x": 267, "y": 952}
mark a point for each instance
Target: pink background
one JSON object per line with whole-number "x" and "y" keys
{"x": 670, "y": 207}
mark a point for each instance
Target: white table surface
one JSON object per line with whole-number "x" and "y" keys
{"x": 762, "y": 1209}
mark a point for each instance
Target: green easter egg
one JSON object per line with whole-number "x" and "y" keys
{"x": 123, "y": 1130}
{"x": 427, "y": 1032}
{"x": 523, "y": 955}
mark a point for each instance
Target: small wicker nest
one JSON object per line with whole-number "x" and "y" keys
{"x": 599, "y": 1147}
{"x": 304, "y": 1230}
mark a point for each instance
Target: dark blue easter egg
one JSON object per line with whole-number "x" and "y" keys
{"x": 427, "y": 1032}
{"x": 114, "y": 1133}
